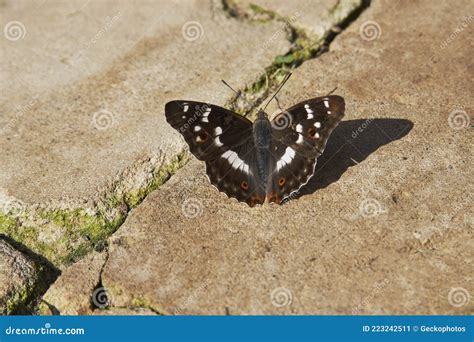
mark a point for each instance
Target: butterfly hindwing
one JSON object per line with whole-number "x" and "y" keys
{"x": 235, "y": 173}
{"x": 209, "y": 130}
{"x": 307, "y": 126}
{"x": 290, "y": 171}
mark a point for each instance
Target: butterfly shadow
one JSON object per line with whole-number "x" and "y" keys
{"x": 351, "y": 143}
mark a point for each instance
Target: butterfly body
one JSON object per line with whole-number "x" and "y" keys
{"x": 264, "y": 160}
{"x": 262, "y": 136}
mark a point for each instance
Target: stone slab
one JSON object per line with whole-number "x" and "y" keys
{"x": 316, "y": 17}
{"x": 20, "y": 279}
{"x": 75, "y": 291}
{"x": 385, "y": 226}
{"x": 69, "y": 138}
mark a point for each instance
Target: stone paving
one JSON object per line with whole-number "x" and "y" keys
{"x": 98, "y": 191}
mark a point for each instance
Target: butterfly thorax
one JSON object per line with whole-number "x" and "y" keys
{"x": 262, "y": 135}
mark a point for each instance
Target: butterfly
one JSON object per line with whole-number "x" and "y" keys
{"x": 260, "y": 160}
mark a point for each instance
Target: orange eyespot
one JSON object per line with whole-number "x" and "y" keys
{"x": 312, "y": 132}
{"x": 244, "y": 185}
{"x": 202, "y": 137}
{"x": 281, "y": 181}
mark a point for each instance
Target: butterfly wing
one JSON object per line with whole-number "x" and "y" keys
{"x": 224, "y": 141}
{"x": 235, "y": 173}
{"x": 209, "y": 130}
{"x": 299, "y": 136}
{"x": 307, "y": 125}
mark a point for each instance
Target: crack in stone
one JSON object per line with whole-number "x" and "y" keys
{"x": 305, "y": 47}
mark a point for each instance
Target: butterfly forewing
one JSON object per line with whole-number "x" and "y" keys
{"x": 209, "y": 130}
{"x": 222, "y": 139}
{"x": 307, "y": 126}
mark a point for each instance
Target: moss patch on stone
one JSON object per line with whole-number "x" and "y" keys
{"x": 76, "y": 232}
{"x": 305, "y": 45}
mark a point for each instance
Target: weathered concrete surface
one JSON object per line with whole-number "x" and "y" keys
{"x": 90, "y": 144}
{"x": 385, "y": 227}
{"x": 20, "y": 279}
{"x": 56, "y": 143}
{"x": 72, "y": 293}
{"x": 316, "y": 17}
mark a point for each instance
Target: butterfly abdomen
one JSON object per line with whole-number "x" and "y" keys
{"x": 262, "y": 135}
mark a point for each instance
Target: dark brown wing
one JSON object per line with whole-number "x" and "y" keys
{"x": 307, "y": 126}
{"x": 209, "y": 130}
{"x": 235, "y": 174}
{"x": 299, "y": 136}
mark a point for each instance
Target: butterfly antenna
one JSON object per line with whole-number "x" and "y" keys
{"x": 332, "y": 91}
{"x": 279, "y": 88}
{"x": 239, "y": 94}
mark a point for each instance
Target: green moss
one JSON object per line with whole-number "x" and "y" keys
{"x": 259, "y": 14}
{"x": 79, "y": 231}
{"x": 139, "y": 302}
{"x": 6, "y": 222}
{"x": 19, "y": 301}
{"x": 305, "y": 45}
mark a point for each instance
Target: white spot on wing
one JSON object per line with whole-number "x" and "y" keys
{"x": 309, "y": 111}
{"x": 217, "y": 131}
{"x": 197, "y": 128}
{"x": 235, "y": 161}
{"x": 218, "y": 142}
{"x": 326, "y": 103}
{"x": 286, "y": 158}
{"x": 206, "y": 113}
{"x": 300, "y": 139}
{"x": 317, "y": 124}
{"x": 316, "y": 135}
{"x": 205, "y": 119}
{"x": 299, "y": 128}
{"x": 186, "y": 107}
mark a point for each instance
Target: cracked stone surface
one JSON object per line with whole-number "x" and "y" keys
{"x": 92, "y": 121}
{"x": 385, "y": 226}
{"x": 57, "y": 142}
{"x": 315, "y": 16}
{"x": 72, "y": 292}
{"x": 19, "y": 275}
